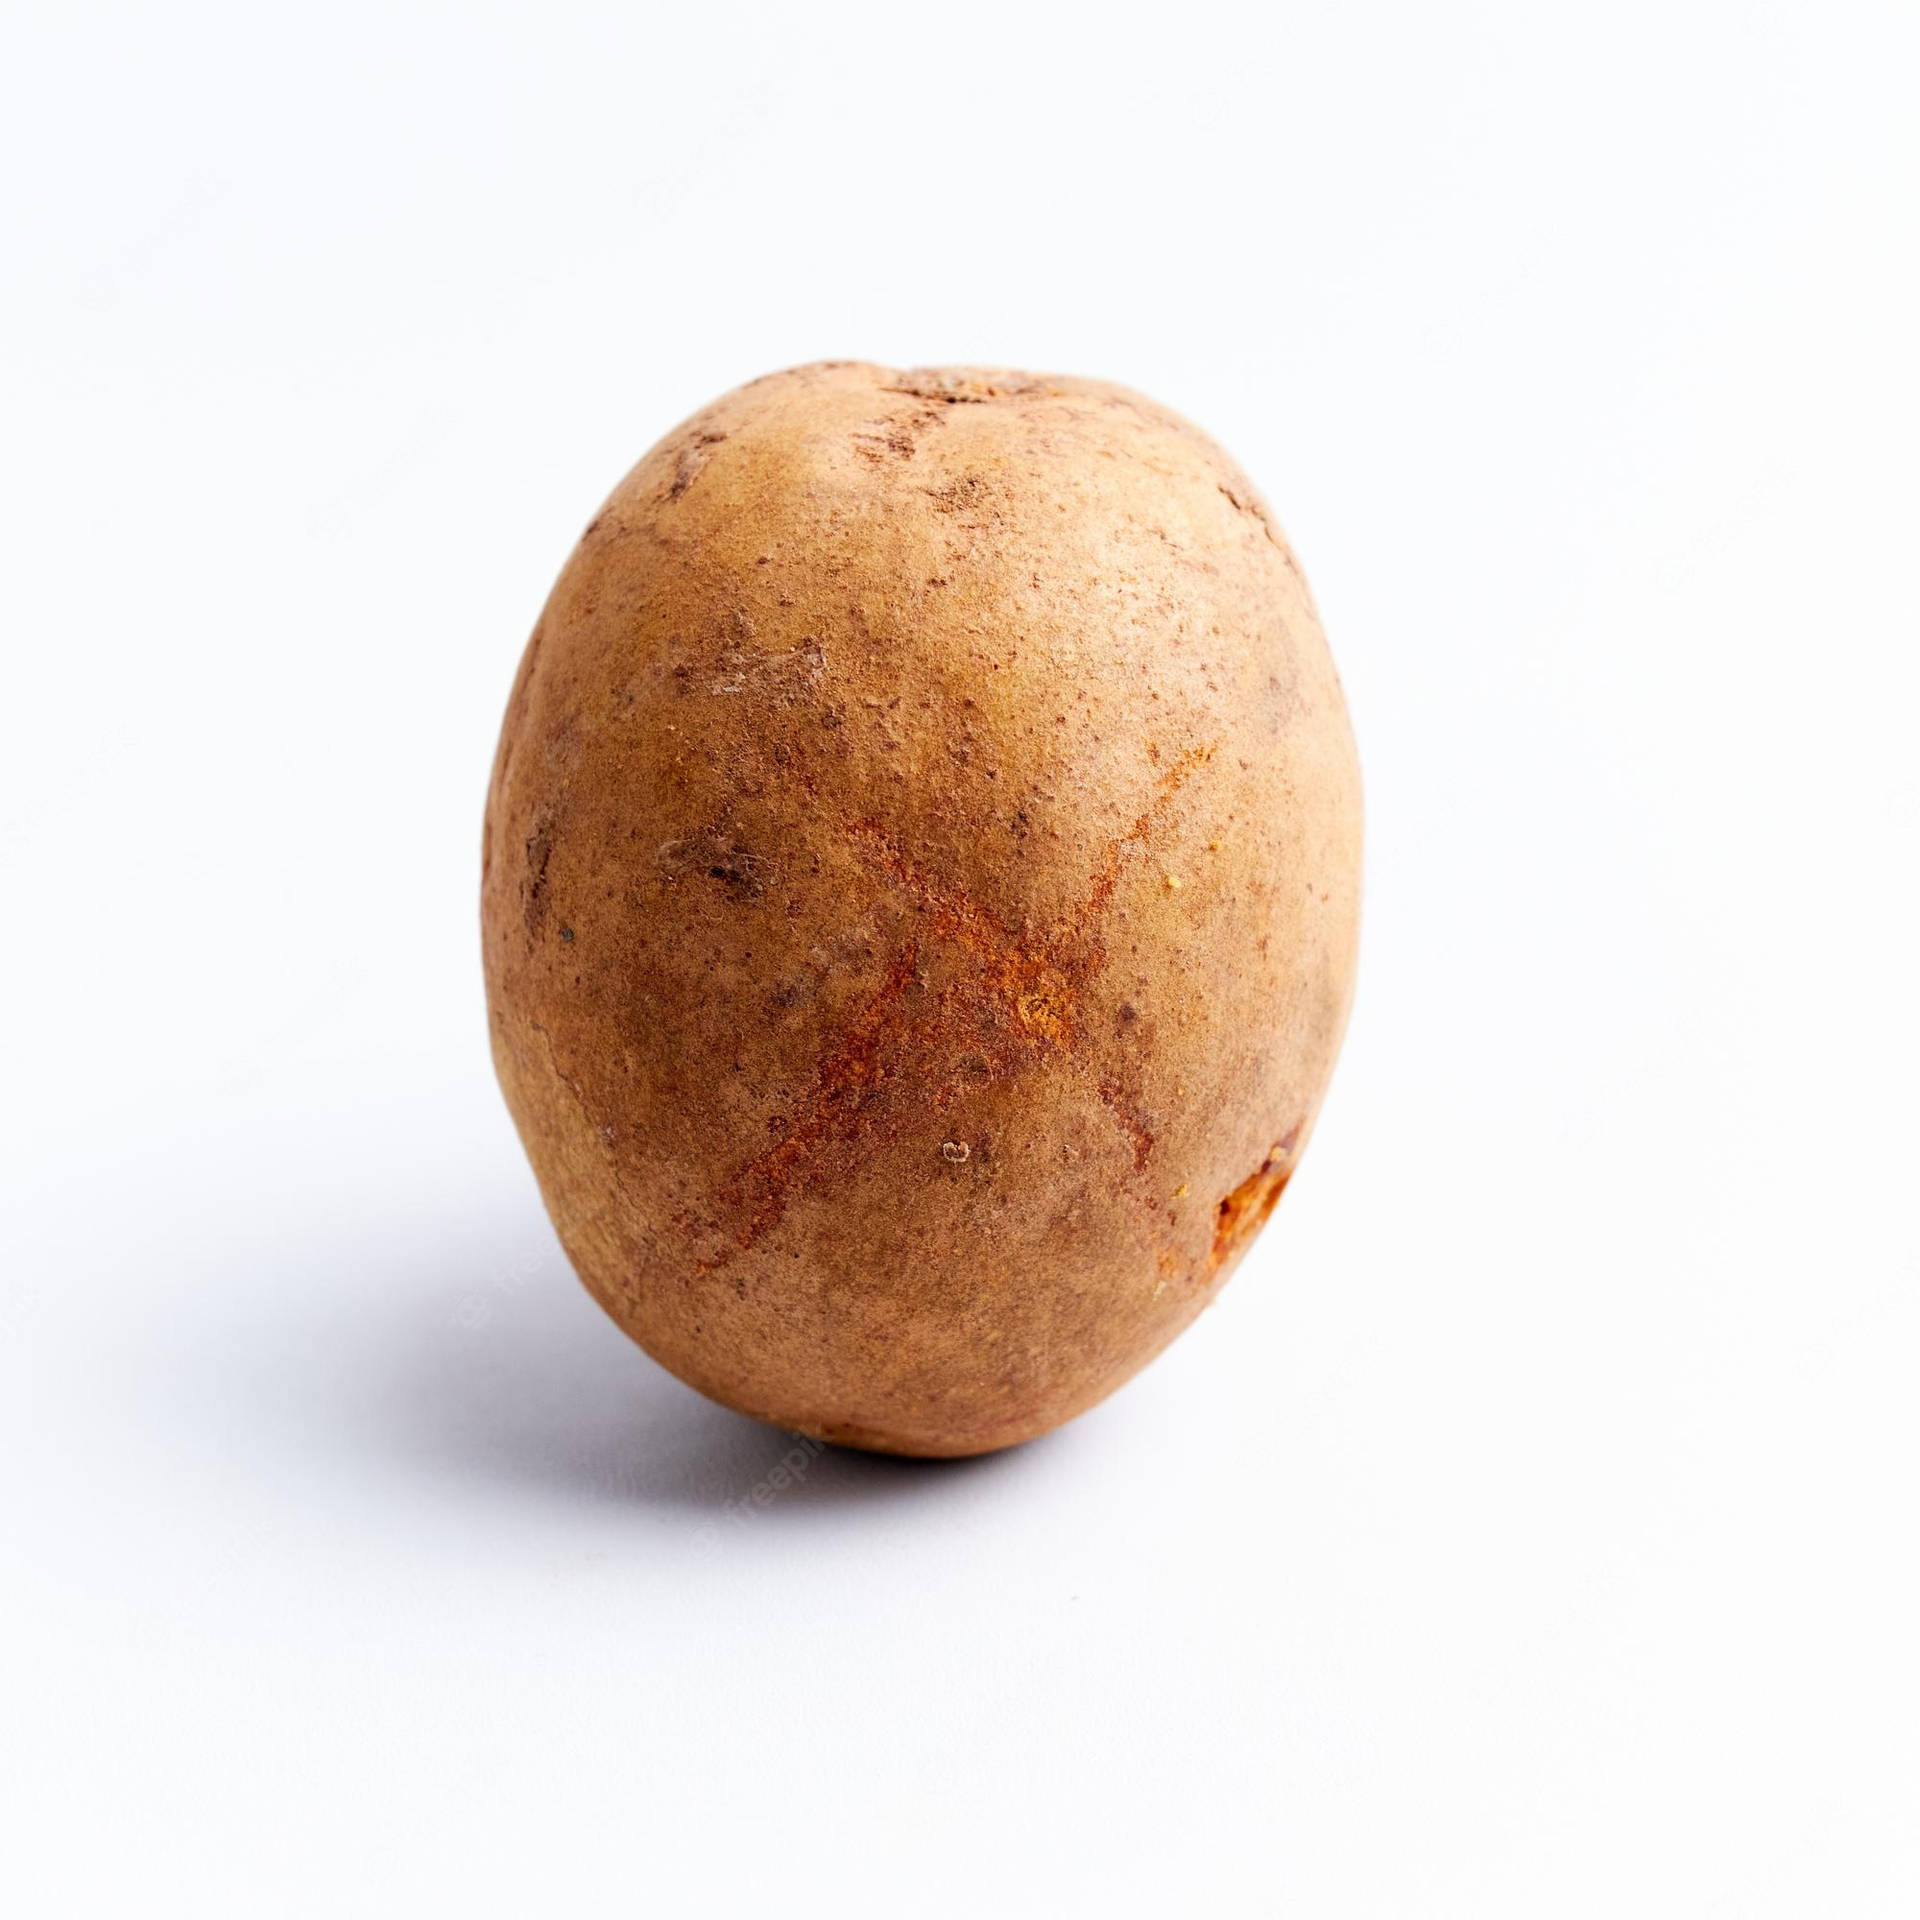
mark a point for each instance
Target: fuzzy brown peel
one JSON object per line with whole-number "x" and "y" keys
{"x": 921, "y": 865}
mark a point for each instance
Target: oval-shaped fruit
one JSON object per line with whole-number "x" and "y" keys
{"x": 921, "y": 884}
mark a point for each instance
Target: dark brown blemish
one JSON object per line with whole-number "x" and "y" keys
{"x": 534, "y": 887}
{"x": 883, "y": 440}
{"x": 962, "y": 386}
{"x": 1252, "y": 508}
{"x": 970, "y": 494}
{"x": 716, "y": 855}
{"x": 693, "y": 457}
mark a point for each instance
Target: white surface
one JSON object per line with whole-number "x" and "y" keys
{"x": 1531, "y": 1529}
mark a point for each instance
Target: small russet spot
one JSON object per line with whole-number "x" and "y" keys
{"x": 1243, "y": 1212}
{"x": 1168, "y": 1267}
{"x": 1044, "y": 1011}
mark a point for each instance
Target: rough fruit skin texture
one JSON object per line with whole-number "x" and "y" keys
{"x": 921, "y": 888}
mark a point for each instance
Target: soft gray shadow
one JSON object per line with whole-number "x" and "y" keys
{"x": 469, "y": 1352}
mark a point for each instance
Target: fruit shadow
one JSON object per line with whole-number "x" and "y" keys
{"x": 471, "y": 1354}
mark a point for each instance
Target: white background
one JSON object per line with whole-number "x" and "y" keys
{"x": 1531, "y": 1529}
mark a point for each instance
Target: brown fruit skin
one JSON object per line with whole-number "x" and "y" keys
{"x": 920, "y": 896}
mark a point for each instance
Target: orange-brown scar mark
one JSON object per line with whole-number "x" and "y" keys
{"x": 1132, "y": 1122}
{"x": 1250, "y": 1205}
{"x": 854, "y": 1068}
{"x": 1035, "y": 980}
{"x": 952, "y": 911}
{"x": 1018, "y": 1003}
{"x": 1039, "y": 976}
{"x": 888, "y": 1067}
{"x": 1106, "y": 876}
